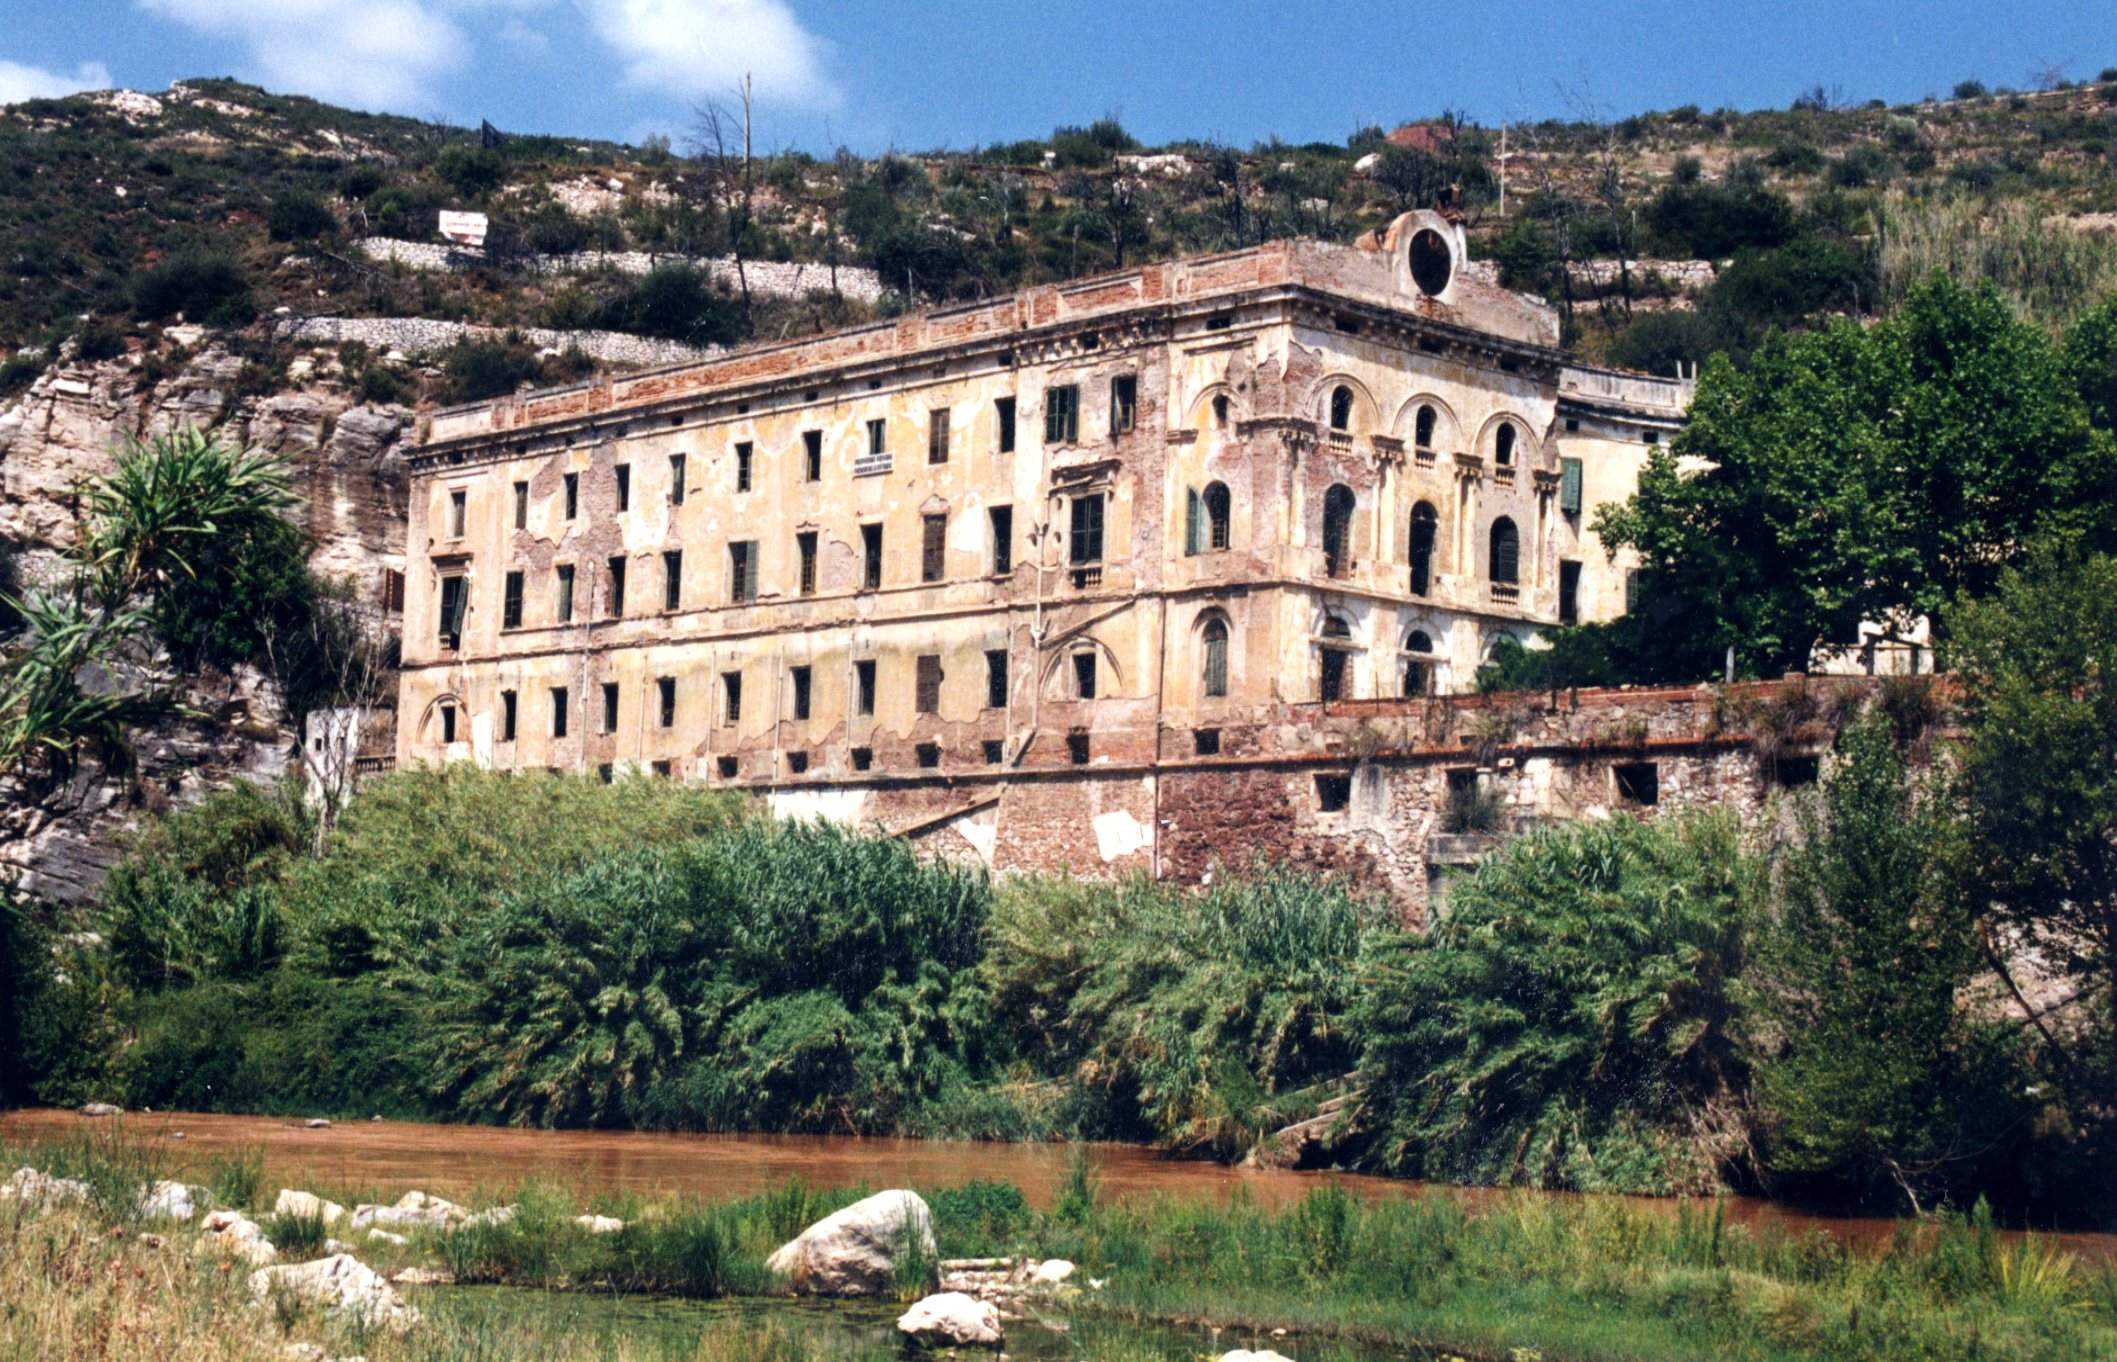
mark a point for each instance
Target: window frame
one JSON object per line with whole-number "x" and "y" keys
{"x": 1062, "y": 414}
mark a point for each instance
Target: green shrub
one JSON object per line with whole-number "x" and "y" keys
{"x": 98, "y": 339}
{"x": 202, "y": 284}
{"x": 1568, "y": 1021}
{"x": 478, "y": 369}
{"x": 17, "y": 373}
{"x": 298, "y": 215}
{"x": 475, "y": 171}
{"x": 675, "y": 302}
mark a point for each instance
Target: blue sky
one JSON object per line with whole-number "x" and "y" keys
{"x": 875, "y": 74}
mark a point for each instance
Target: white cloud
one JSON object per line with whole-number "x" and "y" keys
{"x": 372, "y": 53}
{"x": 697, "y": 49}
{"x": 19, "y": 82}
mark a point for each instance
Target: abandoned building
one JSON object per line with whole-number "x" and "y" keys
{"x": 1135, "y": 571}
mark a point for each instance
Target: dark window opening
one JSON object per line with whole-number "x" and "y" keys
{"x": 1333, "y": 793}
{"x": 558, "y": 711}
{"x": 1062, "y": 415}
{"x": 665, "y": 694}
{"x": 1418, "y": 672}
{"x": 677, "y": 463}
{"x": 864, "y": 684}
{"x": 511, "y": 602}
{"x": 797, "y": 763}
{"x": 1003, "y": 408}
{"x": 996, "y": 678}
{"x": 1124, "y": 403}
{"x": 800, "y": 677}
{"x": 1503, "y": 447}
{"x": 454, "y": 601}
{"x": 812, "y": 455}
{"x": 1638, "y": 783}
{"x": 672, "y": 579}
{"x": 878, "y": 436}
{"x": 1431, "y": 261}
{"x": 617, "y": 588}
{"x": 565, "y": 602}
{"x": 610, "y": 706}
{"x": 521, "y": 505}
{"x": 995, "y": 751}
{"x": 933, "y": 548}
{"x": 863, "y": 758}
{"x": 929, "y": 754}
{"x": 573, "y": 495}
{"x": 928, "y": 699}
{"x": 742, "y": 571}
{"x": 806, "y": 542}
{"x": 392, "y": 591}
{"x": 1205, "y": 742}
{"x": 1425, "y": 532}
{"x": 507, "y": 716}
{"x": 663, "y": 769}
{"x": 448, "y": 723}
{"x": 937, "y": 435}
{"x": 1002, "y": 540}
{"x": 1215, "y": 638}
{"x": 743, "y": 465}
{"x": 1218, "y": 509}
{"x": 1422, "y": 427}
{"x": 1568, "y": 592}
{"x": 1505, "y": 551}
{"x": 1077, "y": 748}
{"x": 871, "y": 557}
{"x": 1794, "y": 772}
{"x": 1086, "y": 545}
{"x": 605, "y": 773}
{"x": 1333, "y": 679}
{"x": 458, "y": 503}
{"x": 1337, "y": 530}
{"x": 1084, "y": 675}
{"x": 623, "y": 474}
{"x": 731, "y": 698}
{"x": 1341, "y": 408}
{"x": 726, "y": 767}
{"x": 1220, "y": 409}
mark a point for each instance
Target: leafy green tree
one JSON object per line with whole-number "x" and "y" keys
{"x": 1569, "y": 1021}
{"x": 2037, "y": 663}
{"x": 2091, "y": 359}
{"x": 1866, "y": 474}
{"x": 1875, "y": 1075}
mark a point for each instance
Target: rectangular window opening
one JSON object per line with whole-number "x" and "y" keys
{"x": 726, "y": 766}
{"x": 1003, "y": 410}
{"x": 1002, "y": 540}
{"x": 1086, "y": 543}
{"x": 1077, "y": 748}
{"x": 878, "y": 436}
{"x": 929, "y": 754}
{"x": 558, "y": 711}
{"x": 1795, "y": 772}
{"x": 454, "y": 601}
{"x": 622, "y": 475}
{"x": 564, "y": 609}
{"x": 521, "y": 505}
{"x": 617, "y": 588}
{"x": 677, "y": 464}
{"x": 864, "y": 685}
{"x": 573, "y": 495}
{"x": 507, "y": 716}
{"x": 863, "y": 758}
{"x": 995, "y": 751}
{"x": 1062, "y": 415}
{"x": 731, "y": 698}
{"x": 1333, "y": 792}
{"x": 806, "y": 542}
{"x": 996, "y": 678}
{"x": 448, "y": 723}
{"x": 605, "y": 773}
{"x": 1124, "y": 403}
{"x": 871, "y": 557}
{"x": 743, "y": 466}
{"x": 800, "y": 676}
{"x": 797, "y": 763}
{"x": 933, "y": 549}
{"x": 663, "y": 769}
{"x": 937, "y": 435}
{"x": 1568, "y": 592}
{"x": 458, "y": 504}
{"x": 672, "y": 579}
{"x": 665, "y": 695}
{"x": 812, "y": 455}
{"x": 929, "y": 683}
{"x": 1205, "y": 742}
{"x": 742, "y": 571}
{"x": 511, "y": 602}
{"x": 1084, "y": 675}
{"x": 1638, "y": 783}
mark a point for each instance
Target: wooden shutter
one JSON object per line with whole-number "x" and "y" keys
{"x": 1190, "y": 522}
{"x": 1569, "y": 486}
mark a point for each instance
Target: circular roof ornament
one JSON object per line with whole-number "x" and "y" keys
{"x": 1432, "y": 263}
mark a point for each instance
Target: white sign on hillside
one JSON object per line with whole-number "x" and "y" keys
{"x": 464, "y": 229}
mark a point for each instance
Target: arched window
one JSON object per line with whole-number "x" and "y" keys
{"x": 1418, "y": 663}
{"x": 1215, "y": 639}
{"x": 1503, "y": 446}
{"x": 1220, "y": 409}
{"x": 1334, "y": 660}
{"x": 1425, "y": 531}
{"x": 1337, "y": 530}
{"x": 1422, "y": 428}
{"x": 1505, "y": 562}
{"x": 1341, "y": 408}
{"x": 1216, "y": 503}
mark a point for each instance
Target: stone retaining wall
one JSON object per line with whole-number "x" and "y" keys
{"x": 418, "y": 335}
{"x": 770, "y": 279}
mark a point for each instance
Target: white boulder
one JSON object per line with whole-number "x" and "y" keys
{"x": 235, "y": 1234}
{"x": 599, "y": 1224}
{"x": 343, "y": 1286}
{"x": 491, "y": 1215}
{"x": 172, "y": 1201}
{"x": 33, "y": 1188}
{"x": 413, "y": 1208}
{"x": 952, "y": 1320}
{"x": 1261, "y": 1355}
{"x": 854, "y": 1252}
{"x": 1051, "y": 1272}
{"x": 385, "y": 1237}
{"x": 306, "y": 1206}
{"x": 102, "y": 1109}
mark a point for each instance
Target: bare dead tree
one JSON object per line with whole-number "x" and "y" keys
{"x": 346, "y": 657}
{"x": 721, "y": 144}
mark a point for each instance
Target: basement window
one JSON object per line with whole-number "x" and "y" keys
{"x": 726, "y": 767}
{"x": 1205, "y": 742}
{"x": 664, "y": 769}
{"x": 1333, "y": 793}
{"x": 994, "y": 751}
{"x": 929, "y": 754}
{"x": 1794, "y": 772}
{"x": 1638, "y": 783}
{"x": 1077, "y": 748}
{"x": 863, "y": 758}
{"x": 605, "y": 773}
{"x": 797, "y": 763}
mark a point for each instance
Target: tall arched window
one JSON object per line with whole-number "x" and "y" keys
{"x": 1503, "y": 446}
{"x": 1422, "y": 428}
{"x": 1338, "y": 530}
{"x": 1425, "y": 532}
{"x": 1220, "y": 409}
{"x": 1341, "y": 408}
{"x": 1216, "y": 503}
{"x": 1334, "y": 660}
{"x": 1215, "y": 639}
{"x": 1506, "y": 557}
{"x": 1418, "y": 660}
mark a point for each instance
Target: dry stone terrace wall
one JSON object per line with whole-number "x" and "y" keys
{"x": 766, "y": 278}
{"x": 422, "y": 335}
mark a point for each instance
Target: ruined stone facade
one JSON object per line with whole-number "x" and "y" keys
{"x": 1070, "y": 578}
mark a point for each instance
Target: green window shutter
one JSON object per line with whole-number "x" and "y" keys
{"x": 1569, "y": 486}
{"x": 1190, "y": 522}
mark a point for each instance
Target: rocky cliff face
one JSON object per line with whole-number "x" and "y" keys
{"x": 68, "y": 426}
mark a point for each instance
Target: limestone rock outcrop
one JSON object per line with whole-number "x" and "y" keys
{"x": 855, "y": 1252}
{"x": 344, "y": 1286}
{"x": 950, "y": 1319}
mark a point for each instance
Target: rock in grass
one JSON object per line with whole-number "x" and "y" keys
{"x": 306, "y": 1206}
{"x": 952, "y": 1320}
{"x": 343, "y": 1286}
{"x": 599, "y": 1224}
{"x": 413, "y": 1208}
{"x": 1261, "y": 1355}
{"x": 33, "y": 1188}
{"x": 1051, "y": 1272}
{"x": 855, "y": 1252}
{"x": 172, "y": 1201}
{"x": 102, "y": 1109}
{"x": 237, "y": 1235}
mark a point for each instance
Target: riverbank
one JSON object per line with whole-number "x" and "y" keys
{"x": 1596, "y": 1279}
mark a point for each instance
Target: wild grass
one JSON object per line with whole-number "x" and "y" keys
{"x": 2048, "y": 272}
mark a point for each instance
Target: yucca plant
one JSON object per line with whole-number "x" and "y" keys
{"x": 56, "y": 704}
{"x": 148, "y": 526}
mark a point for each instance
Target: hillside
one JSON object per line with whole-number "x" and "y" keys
{"x": 223, "y": 203}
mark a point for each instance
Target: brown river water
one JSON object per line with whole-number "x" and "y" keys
{"x": 387, "y": 1158}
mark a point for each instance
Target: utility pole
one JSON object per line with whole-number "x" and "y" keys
{"x": 1503, "y": 172}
